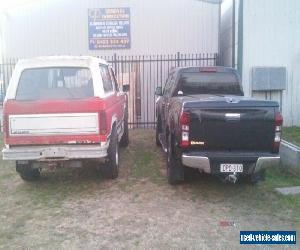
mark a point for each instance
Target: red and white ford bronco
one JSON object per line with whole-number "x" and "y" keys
{"x": 64, "y": 110}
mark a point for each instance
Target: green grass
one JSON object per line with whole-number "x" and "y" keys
{"x": 279, "y": 178}
{"x": 292, "y": 134}
{"x": 143, "y": 159}
{"x": 243, "y": 197}
{"x": 146, "y": 166}
{"x": 33, "y": 206}
{"x": 290, "y": 203}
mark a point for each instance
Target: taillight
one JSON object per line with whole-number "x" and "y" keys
{"x": 185, "y": 128}
{"x": 278, "y": 126}
{"x": 102, "y": 123}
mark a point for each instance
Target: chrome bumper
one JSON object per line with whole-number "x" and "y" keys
{"x": 55, "y": 153}
{"x": 267, "y": 162}
{"x": 202, "y": 162}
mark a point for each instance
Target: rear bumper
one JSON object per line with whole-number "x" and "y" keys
{"x": 209, "y": 162}
{"x": 55, "y": 152}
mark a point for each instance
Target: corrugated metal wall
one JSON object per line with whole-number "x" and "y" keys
{"x": 271, "y": 38}
{"x": 61, "y": 27}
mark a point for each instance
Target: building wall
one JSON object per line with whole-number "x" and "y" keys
{"x": 48, "y": 27}
{"x": 271, "y": 38}
{"x": 226, "y": 33}
{"x": 229, "y": 33}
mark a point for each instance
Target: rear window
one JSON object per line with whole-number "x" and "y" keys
{"x": 191, "y": 83}
{"x": 55, "y": 83}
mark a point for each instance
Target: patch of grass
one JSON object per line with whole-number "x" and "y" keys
{"x": 285, "y": 203}
{"x": 142, "y": 159}
{"x": 291, "y": 134}
{"x": 37, "y": 208}
{"x": 146, "y": 166}
{"x": 276, "y": 177}
{"x": 245, "y": 198}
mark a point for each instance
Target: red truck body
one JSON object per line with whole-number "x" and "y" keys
{"x": 63, "y": 108}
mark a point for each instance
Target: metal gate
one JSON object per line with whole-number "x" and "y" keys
{"x": 143, "y": 73}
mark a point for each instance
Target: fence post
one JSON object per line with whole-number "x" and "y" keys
{"x": 217, "y": 58}
{"x": 178, "y": 59}
{"x": 115, "y": 62}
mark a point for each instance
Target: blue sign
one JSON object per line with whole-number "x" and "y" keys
{"x": 109, "y": 28}
{"x": 268, "y": 237}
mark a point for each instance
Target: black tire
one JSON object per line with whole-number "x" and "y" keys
{"x": 175, "y": 169}
{"x": 257, "y": 177}
{"x": 27, "y": 173}
{"x": 125, "y": 137}
{"x": 111, "y": 167}
{"x": 158, "y": 131}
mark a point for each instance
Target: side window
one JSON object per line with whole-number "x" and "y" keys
{"x": 168, "y": 85}
{"x": 174, "y": 85}
{"x": 106, "y": 78}
{"x": 114, "y": 80}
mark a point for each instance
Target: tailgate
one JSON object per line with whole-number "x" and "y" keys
{"x": 243, "y": 128}
{"x": 53, "y": 124}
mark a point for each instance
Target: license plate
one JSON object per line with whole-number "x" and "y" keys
{"x": 54, "y": 152}
{"x": 231, "y": 168}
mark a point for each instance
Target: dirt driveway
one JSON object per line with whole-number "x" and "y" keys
{"x": 77, "y": 208}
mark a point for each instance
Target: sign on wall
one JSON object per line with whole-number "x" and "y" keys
{"x": 109, "y": 28}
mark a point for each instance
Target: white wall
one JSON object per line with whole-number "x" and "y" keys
{"x": 226, "y": 33}
{"x": 228, "y": 42}
{"x": 48, "y": 27}
{"x": 271, "y": 38}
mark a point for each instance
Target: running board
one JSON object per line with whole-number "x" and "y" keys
{"x": 161, "y": 139}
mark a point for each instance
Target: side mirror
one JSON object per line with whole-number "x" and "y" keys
{"x": 126, "y": 88}
{"x": 158, "y": 91}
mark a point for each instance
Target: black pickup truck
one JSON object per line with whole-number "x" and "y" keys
{"x": 205, "y": 122}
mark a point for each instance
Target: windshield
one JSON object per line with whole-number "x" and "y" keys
{"x": 55, "y": 83}
{"x": 191, "y": 83}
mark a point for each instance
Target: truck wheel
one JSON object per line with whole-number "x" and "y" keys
{"x": 125, "y": 137}
{"x": 111, "y": 167}
{"x": 175, "y": 169}
{"x": 27, "y": 173}
{"x": 158, "y": 131}
{"x": 255, "y": 178}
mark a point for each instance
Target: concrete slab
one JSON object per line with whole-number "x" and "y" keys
{"x": 290, "y": 157}
{"x": 288, "y": 190}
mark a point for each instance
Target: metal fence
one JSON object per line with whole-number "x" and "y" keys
{"x": 6, "y": 68}
{"x": 143, "y": 73}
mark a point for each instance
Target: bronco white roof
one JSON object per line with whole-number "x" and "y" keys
{"x": 45, "y": 61}
{"x": 58, "y": 61}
